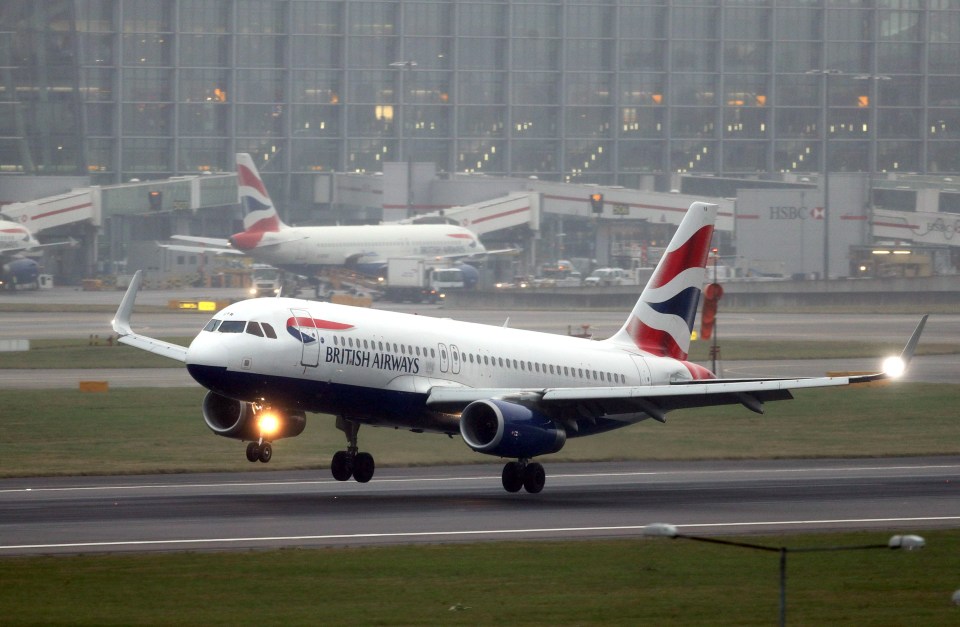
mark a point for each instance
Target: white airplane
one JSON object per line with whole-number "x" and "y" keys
{"x": 16, "y": 270}
{"x": 507, "y": 392}
{"x": 303, "y": 249}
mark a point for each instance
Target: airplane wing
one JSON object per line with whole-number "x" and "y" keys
{"x": 121, "y": 325}
{"x": 183, "y": 248}
{"x": 635, "y": 403}
{"x": 37, "y": 247}
{"x": 201, "y": 245}
{"x": 208, "y": 241}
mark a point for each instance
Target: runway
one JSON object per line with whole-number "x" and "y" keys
{"x": 466, "y": 503}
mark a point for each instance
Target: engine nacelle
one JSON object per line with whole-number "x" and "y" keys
{"x": 240, "y": 420}
{"x": 22, "y": 272}
{"x": 497, "y": 427}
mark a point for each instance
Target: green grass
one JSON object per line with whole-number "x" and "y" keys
{"x": 82, "y": 353}
{"x": 615, "y": 582}
{"x": 67, "y": 432}
{"x": 86, "y": 353}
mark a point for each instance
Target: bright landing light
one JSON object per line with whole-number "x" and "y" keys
{"x": 268, "y": 424}
{"x": 894, "y": 367}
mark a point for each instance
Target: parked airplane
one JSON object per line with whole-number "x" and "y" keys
{"x": 304, "y": 249}
{"x": 16, "y": 270}
{"x": 507, "y": 392}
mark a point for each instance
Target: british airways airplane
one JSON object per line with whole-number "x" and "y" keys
{"x": 305, "y": 249}
{"x": 16, "y": 270}
{"x": 509, "y": 393}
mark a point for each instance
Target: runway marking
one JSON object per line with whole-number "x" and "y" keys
{"x": 598, "y": 475}
{"x": 442, "y": 534}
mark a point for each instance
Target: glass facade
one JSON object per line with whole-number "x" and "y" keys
{"x": 584, "y": 91}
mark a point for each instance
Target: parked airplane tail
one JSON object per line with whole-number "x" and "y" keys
{"x": 662, "y": 320}
{"x": 259, "y": 214}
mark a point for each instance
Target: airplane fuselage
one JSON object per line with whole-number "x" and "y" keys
{"x": 367, "y": 246}
{"x": 15, "y": 237}
{"x": 379, "y": 367}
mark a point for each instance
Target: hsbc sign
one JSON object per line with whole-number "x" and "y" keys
{"x": 796, "y": 213}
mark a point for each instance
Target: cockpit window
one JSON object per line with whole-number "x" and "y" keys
{"x": 253, "y": 328}
{"x": 212, "y": 325}
{"x": 269, "y": 331}
{"x": 232, "y": 326}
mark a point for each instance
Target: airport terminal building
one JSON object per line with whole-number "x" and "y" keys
{"x": 639, "y": 94}
{"x": 565, "y": 90}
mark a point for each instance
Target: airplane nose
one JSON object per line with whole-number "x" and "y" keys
{"x": 207, "y": 359}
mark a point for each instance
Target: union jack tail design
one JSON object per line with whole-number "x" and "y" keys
{"x": 259, "y": 214}
{"x": 662, "y": 320}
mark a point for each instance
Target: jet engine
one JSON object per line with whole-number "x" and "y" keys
{"x": 505, "y": 429}
{"x": 21, "y": 272}
{"x": 245, "y": 421}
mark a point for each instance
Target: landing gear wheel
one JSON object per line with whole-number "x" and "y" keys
{"x": 253, "y": 452}
{"x": 266, "y": 452}
{"x": 534, "y": 477}
{"x": 363, "y": 467}
{"x": 342, "y": 466}
{"x": 512, "y": 476}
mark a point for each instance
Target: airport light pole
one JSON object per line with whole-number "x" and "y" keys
{"x": 906, "y": 542}
{"x": 404, "y": 148}
{"x": 825, "y": 161}
{"x": 874, "y": 131}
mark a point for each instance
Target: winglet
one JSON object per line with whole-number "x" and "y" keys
{"x": 121, "y": 325}
{"x": 911, "y": 346}
{"x": 121, "y": 321}
{"x": 894, "y": 367}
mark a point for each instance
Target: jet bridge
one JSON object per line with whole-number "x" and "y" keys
{"x": 54, "y": 211}
{"x": 497, "y": 214}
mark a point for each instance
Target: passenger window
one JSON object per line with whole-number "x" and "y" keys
{"x": 268, "y": 330}
{"x": 212, "y": 325}
{"x": 232, "y": 326}
{"x": 253, "y": 328}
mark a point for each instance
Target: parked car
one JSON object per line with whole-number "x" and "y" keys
{"x": 603, "y": 277}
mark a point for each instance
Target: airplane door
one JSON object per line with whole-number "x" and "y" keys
{"x": 302, "y": 322}
{"x": 444, "y": 357}
{"x": 454, "y": 359}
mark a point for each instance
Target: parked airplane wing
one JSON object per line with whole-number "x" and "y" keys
{"x": 183, "y": 248}
{"x": 208, "y": 241}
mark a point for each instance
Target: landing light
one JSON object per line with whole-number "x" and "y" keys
{"x": 268, "y": 424}
{"x": 894, "y": 367}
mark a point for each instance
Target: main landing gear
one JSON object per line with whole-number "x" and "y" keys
{"x": 351, "y": 462}
{"x": 524, "y": 474}
{"x": 259, "y": 451}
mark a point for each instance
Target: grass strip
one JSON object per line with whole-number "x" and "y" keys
{"x": 123, "y": 431}
{"x": 615, "y": 582}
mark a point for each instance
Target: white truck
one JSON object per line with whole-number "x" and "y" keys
{"x": 265, "y": 280}
{"x": 419, "y": 280}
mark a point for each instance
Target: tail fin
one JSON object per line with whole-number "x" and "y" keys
{"x": 662, "y": 320}
{"x": 259, "y": 214}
